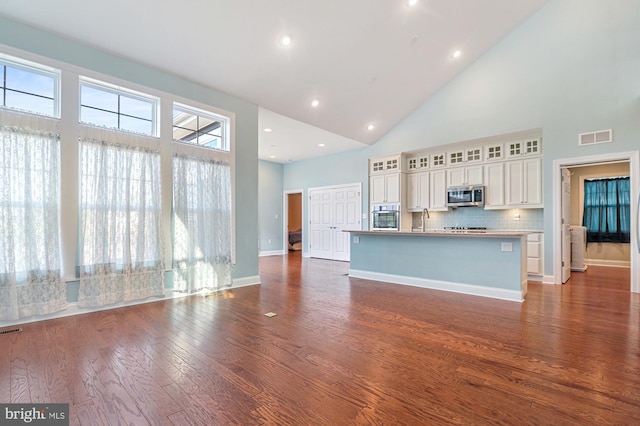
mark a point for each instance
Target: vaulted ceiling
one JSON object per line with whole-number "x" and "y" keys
{"x": 367, "y": 63}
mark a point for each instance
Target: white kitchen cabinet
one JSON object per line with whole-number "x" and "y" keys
{"x": 524, "y": 183}
{"x": 460, "y": 176}
{"x": 473, "y": 155}
{"x": 438, "y": 160}
{"x": 417, "y": 163}
{"x": 385, "y": 164}
{"x": 466, "y": 155}
{"x": 525, "y": 147}
{"x": 417, "y": 191}
{"x": 438, "y": 190}
{"x": 494, "y": 152}
{"x": 456, "y": 157}
{"x": 494, "y": 186}
{"x": 535, "y": 248}
{"x": 385, "y": 188}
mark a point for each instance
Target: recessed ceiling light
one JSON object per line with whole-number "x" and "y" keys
{"x": 272, "y": 156}
{"x": 268, "y": 130}
{"x": 456, "y": 54}
{"x": 412, "y": 2}
{"x": 285, "y": 40}
{"x": 315, "y": 103}
{"x": 321, "y": 145}
{"x": 371, "y": 127}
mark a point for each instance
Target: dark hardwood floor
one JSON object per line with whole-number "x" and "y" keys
{"x": 341, "y": 351}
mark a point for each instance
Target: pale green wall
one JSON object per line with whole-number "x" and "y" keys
{"x": 270, "y": 201}
{"x": 246, "y": 149}
{"x": 571, "y": 68}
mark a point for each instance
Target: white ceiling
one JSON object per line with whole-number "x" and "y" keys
{"x": 366, "y": 61}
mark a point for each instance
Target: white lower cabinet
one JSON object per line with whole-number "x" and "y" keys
{"x": 535, "y": 248}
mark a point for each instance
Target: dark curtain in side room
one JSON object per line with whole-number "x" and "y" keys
{"x": 607, "y": 210}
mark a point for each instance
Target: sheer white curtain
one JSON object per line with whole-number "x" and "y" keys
{"x": 120, "y": 223}
{"x": 202, "y": 240}
{"x": 30, "y": 281}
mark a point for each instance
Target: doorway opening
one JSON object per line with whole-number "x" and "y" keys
{"x": 564, "y": 215}
{"x": 293, "y": 223}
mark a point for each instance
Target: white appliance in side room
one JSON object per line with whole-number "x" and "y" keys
{"x": 578, "y": 247}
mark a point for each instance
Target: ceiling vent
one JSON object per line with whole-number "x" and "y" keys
{"x": 591, "y": 138}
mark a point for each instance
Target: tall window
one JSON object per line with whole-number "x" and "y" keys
{"x": 116, "y": 108}
{"x": 30, "y": 280}
{"x": 202, "y": 242}
{"x": 607, "y": 210}
{"x": 120, "y": 223}
{"x": 29, "y": 87}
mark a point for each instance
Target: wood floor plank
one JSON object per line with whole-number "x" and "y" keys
{"x": 86, "y": 414}
{"x": 342, "y": 351}
{"x": 114, "y": 394}
{"x": 19, "y": 376}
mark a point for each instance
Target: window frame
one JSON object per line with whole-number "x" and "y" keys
{"x": 70, "y": 128}
{"x": 34, "y": 68}
{"x": 224, "y": 120}
{"x": 120, "y": 91}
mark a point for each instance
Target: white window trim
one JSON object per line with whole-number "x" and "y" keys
{"x": 119, "y": 90}
{"x": 70, "y": 128}
{"x": 37, "y": 68}
{"x": 223, "y": 119}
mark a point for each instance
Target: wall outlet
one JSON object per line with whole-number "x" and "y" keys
{"x": 507, "y": 247}
{"x": 356, "y": 240}
{"x": 516, "y": 216}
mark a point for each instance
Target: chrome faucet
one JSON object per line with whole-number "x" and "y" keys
{"x": 425, "y": 211}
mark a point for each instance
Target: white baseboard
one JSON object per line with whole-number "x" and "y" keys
{"x": 611, "y": 263}
{"x": 271, "y": 253}
{"x": 548, "y": 279}
{"x": 474, "y": 290}
{"x": 73, "y": 309}
{"x": 245, "y": 281}
{"x": 536, "y": 278}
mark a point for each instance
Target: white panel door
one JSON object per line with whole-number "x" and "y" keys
{"x": 320, "y": 233}
{"x": 347, "y": 208}
{"x": 331, "y": 211}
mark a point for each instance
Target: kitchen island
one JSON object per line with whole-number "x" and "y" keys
{"x": 481, "y": 263}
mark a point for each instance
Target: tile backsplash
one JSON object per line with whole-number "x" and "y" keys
{"x": 530, "y": 219}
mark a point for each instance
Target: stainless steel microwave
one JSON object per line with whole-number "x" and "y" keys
{"x": 465, "y": 196}
{"x": 385, "y": 217}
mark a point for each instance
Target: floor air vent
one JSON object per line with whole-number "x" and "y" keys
{"x": 10, "y": 331}
{"x": 591, "y": 138}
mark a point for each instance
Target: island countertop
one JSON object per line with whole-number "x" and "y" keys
{"x": 489, "y": 233}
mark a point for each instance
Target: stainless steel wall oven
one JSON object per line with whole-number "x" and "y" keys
{"x": 385, "y": 217}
